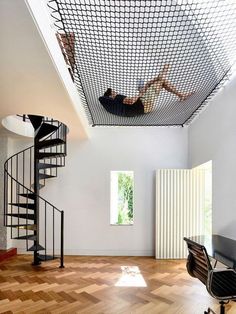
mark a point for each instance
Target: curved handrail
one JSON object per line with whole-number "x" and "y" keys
{"x": 28, "y": 149}
{"x": 22, "y": 151}
{"x": 35, "y": 194}
{"x": 59, "y": 125}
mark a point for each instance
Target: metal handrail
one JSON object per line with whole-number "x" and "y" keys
{"x": 54, "y": 132}
{"x": 34, "y": 193}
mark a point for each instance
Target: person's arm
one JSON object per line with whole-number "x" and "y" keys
{"x": 130, "y": 100}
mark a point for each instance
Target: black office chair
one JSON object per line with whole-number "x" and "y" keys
{"x": 221, "y": 284}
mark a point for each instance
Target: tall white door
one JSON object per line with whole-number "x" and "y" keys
{"x": 180, "y": 202}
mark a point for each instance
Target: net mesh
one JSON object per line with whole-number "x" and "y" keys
{"x": 119, "y": 44}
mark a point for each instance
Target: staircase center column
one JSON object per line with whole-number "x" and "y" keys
{"x": 36, "y": 191}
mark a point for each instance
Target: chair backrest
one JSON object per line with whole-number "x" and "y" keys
{"x": 198, "y": 263}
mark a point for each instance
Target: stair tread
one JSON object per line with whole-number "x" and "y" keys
{"x": 45, "y": 129}
{"x": 23, "y": 216}
{"x": 24, "y": 205}
{"x": 30, "y": 237}
{"x": 27, "y": 227}
{"x": 32, "y": 196}
{"x": 50, "y": 155}
{"x": 45, "y": 258}
{"x": 45, "y": 176}
{"x": 21, "y": 226}
{"x": 50, "y": 143}
{"x": 40, "y": 185}
{"x": 46, "y": 165}
{"x": 37, "y": 247}
{"x": 35, "y": 120}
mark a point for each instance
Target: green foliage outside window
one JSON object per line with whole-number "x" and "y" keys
{"x": 125, "y": 198}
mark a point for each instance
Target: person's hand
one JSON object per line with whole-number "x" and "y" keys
{"x": 184, "y": 96}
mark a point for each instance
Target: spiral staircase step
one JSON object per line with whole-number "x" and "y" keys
{"x": 45, "y": 129}
{"x": 36, "y": 121}
{"x": 49, "y": 155}
{"x": 45, "y": 258}
{"x": 23, "y": 216}
{"x": 50, "y": 143}
{"x": 24, "y": 205}
{"x": 31, "y": 196}
{"x": 30, "y": 237}
{"x": 40, "y": 186}
{"x": 36, "y": 248}
{"x": 47, "y": 166}
{"x": 23, "y": 226}
{"x": 45, "y": 176}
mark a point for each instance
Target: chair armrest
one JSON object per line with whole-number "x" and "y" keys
{"x": 221, "y": 284}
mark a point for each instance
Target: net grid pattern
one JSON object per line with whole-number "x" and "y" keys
{"x": 118, "y": 43}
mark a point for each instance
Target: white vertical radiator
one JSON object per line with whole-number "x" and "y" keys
{"x": 180, "y": 201}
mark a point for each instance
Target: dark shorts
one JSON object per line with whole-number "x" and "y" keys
{"x": 134, "y": 110}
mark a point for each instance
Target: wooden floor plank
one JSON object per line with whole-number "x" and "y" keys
{"x": 102, "y": 285}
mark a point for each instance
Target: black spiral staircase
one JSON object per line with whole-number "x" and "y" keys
{"x": 28, "y": 215}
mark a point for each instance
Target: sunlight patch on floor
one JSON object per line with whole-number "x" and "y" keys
{"x": 131, "y": 277}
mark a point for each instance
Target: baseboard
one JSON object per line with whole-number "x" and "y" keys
{"x": 92, "y": 252}
{"x": 109, "y": 252}
{"x": 4, "y": 254}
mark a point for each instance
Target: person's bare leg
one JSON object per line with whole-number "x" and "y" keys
{"x": 159, "y": 84}
{"x": 163, "y": 73}
{"x": 150, "y": 104}
{"x": 159, "y": 79}
{"x": 172, "y": 89}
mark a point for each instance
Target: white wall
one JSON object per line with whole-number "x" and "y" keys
{"x": 31, "y": 80}
{"x": 7, "y": 149}
{"x": 3, "y": 157}
{"x": 82, "y": 188}
{"x": 213, "y": 137}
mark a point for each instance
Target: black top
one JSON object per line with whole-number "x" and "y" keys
{"x": 221, "y": 248}
{"x": 117, "y": 107}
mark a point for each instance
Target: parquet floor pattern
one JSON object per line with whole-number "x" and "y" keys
{"x": 92, "y": 284}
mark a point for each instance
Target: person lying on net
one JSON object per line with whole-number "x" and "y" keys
{"x": 143, "y": 103}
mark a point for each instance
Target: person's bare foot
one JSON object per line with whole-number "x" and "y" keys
{"x": 184, "y": 96}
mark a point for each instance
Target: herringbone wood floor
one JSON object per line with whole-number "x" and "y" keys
{"x": 89, "y": 285}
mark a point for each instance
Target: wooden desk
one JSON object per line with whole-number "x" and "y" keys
{"x": 220, "y": 248}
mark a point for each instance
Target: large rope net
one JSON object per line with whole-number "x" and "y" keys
{"x": 110, "y": 43}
